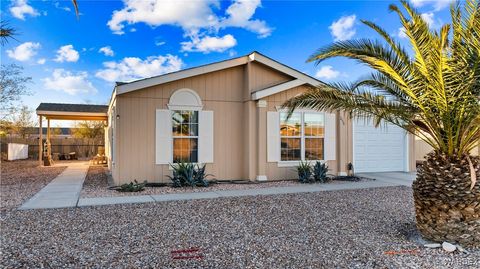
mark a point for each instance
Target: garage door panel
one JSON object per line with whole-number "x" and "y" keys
{"x": 378, "y": 149}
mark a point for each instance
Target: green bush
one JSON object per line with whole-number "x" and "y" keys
{"x": 320, "y": 171}
{"x": 188, "y": 174}
{"x": 304, "y": 172}
{"x": 132, "y": 187}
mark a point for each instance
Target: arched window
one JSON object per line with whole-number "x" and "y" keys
{"x": 185, "y": 105}
{"x": 184, "y": 131}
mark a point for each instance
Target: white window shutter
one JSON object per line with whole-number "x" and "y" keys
{"x": 205, "y": 137}
{"x": 163, "y": 137}
{"x": 330, "y": 137}
{"x": 273, "y": 136}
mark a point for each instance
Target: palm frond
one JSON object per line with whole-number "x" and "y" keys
{"x": 6, "y": 32}
{"x": 434, "y": 94}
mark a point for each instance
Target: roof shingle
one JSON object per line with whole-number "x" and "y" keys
{"x": 72, "y": 108}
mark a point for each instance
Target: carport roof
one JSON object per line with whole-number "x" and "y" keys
{"x": 72, "y": 111}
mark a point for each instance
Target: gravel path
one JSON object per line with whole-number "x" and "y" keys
{"x": 21, "y": 179}
{"x": 96, "y": 185}
{"x": 366, "y": 228}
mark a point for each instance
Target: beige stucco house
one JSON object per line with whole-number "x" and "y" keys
{"x": 228, "y": 116}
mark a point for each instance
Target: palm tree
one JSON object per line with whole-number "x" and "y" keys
{"x": 433, "y": 94}
{"x": 7, "y": 32}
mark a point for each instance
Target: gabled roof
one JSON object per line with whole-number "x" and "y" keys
{"x": 300, "y": 78}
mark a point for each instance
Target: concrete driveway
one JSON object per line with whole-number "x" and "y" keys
{"x": 399, "y": 178}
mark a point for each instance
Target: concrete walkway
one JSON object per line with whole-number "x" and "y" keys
{"x": 397, "y": 178}
{"x": 235, "y": 193}
{"x": 63, "y": 191}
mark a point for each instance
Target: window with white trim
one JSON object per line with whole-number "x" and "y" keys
{"x": 185, "y": 136}
{"x": 302, "y": 136}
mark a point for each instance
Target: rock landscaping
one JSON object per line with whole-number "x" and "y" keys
{"x": 368, "y": 228}
{"x": 96, "y": 185}
{"x": 21, "y": 179}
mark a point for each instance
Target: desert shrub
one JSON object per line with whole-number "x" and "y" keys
{"x": 320, "y": 171}
{"x": 132, "y": 187}
{"x": 188, "y": 174}
{"x": 304, "y": 172}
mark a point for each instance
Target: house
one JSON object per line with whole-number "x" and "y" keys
{"x": 228, "y": 116}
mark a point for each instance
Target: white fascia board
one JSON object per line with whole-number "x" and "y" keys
{"x": 144, "y": 83}
{"x": 276, "y": 89}
{"x": 283, "y": 68}
{"x": 70, "y": 113}
{"x": 113, "y": 98}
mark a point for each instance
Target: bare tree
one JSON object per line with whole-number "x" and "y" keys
{"x": 92, "y": 131}
{"x": 13, "y": 84}
{"x": 89, "y": 129}
{"x": 22, "y": 121}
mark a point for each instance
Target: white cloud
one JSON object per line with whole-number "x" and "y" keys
{"x": 186, "y": 14}
{"x": 41, "y": 61}
{"x": 429, "y": 18}
{"x": 160, "y": 43}
{"x": 66, "y": 81}
{"x": 327, "y": 72}
{"x": 401, "y": 32}
{"x": 24, "y": 52}
{"x": 240, "y": 14}
{"x": 57, "y": 5}
{"x": 131, "y": 68}
{"x": 437, "y": 4}
{"x": 20, "y": 8}
{"x": 208, "y": 44}
{"x": 197, "y": 18}
{"x": 107, "y": 50}
{"x": 67, "y": 54}
{"x": 343, "y": 28}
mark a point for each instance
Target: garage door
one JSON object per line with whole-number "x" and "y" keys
{"x": 379, "y": 149}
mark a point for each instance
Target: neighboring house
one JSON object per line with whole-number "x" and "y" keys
{"x": 228, "y": 116}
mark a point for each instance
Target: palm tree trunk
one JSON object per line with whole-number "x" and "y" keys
{"x": 447, "y": 209}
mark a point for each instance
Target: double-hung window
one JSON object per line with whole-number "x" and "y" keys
{"x": 185, "y": 136}
{"x": 302, "y": 136}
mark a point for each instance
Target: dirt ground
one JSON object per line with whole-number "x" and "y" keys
{"x": 21, "y": 179}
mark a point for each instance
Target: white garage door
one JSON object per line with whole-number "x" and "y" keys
{"x": 379, "y": 149}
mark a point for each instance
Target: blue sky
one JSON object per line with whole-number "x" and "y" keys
{"x": 77, "y": 60}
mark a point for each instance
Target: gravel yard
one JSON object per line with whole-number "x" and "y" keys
{"x": 368, "y": 228}
{"x": 96, "y": 185}
{"x": 21, "y": 179}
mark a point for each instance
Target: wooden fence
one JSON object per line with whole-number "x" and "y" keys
{"x": 84, "y": 148}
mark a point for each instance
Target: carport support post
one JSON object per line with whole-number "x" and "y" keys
{"x": 49, "y": 149}
{"x": 40, "y": 139}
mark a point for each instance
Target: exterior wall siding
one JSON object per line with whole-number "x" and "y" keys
{"x": 136, "y": 126}
{"x": 262, "y": 77}
{"x": 240, "y": 133}
{"x": 273, "y": 171}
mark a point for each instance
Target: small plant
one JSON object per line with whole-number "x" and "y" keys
{"x": 200, "y": 176}
{"x": 188, "y": 174}
{"x": 320, "y": 171}
{"x": 304, "y": 172}
{"x": 132, "y": 187}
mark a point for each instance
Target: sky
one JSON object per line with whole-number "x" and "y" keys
{"x": 77, "y": 60}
